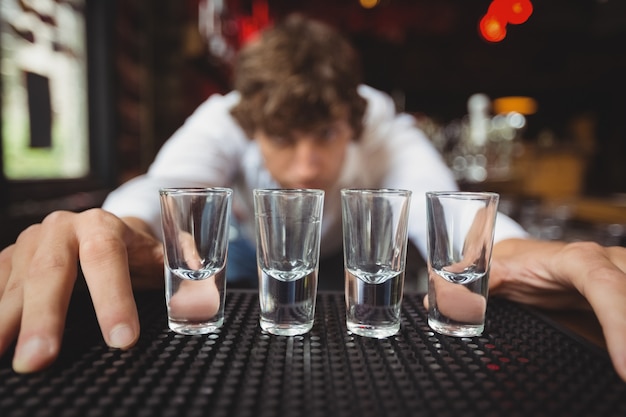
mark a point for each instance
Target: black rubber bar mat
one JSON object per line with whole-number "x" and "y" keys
{"x": 522, "y": 366}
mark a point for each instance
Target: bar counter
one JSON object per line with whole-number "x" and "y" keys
{"x": 523, "y": 365}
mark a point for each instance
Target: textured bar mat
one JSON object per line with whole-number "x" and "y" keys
{"x": 522, "y": 366}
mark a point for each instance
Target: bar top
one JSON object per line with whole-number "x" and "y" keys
{"x": 523, "y": 365}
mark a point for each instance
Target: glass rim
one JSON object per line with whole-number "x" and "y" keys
{"x": 195, "y": 190}
{"x": 466, "y": 195}
{"x": 303, "y": 191}
{"x": 377, "y": 191}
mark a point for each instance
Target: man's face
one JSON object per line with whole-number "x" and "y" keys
{"x": 307, "y": 159}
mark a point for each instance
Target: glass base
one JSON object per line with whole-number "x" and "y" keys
{"x": 195, "y": 328}
{"x": 377, "y": 332}
{"x": 456, "y": 329}
{"x": 279, "y": 329}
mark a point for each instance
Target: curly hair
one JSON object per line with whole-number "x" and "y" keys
{"x": 299, "y": 75}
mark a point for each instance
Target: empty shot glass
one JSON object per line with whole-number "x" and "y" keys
{"x": 375, "y": 223}
{"x": 195, "y": 225}
{"x": 288, "y": 228}
{"x": 460, "y": 240}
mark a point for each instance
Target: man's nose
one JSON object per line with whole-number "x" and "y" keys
{"x": 307, "y": 160}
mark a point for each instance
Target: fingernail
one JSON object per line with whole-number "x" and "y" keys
{"x": 122, "y": 336}
{"x": 33, "y": 355}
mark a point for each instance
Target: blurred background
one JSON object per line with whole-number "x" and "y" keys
{"x": 531, "y": 105}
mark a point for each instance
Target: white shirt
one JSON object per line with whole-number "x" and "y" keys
{"x": 210, "y": 149}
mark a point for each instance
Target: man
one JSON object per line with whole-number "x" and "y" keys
{"x": 298, "y": 118}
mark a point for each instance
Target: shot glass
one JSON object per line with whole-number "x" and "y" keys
{"x": 460, "y": 240}
{"x": 195, "y": 225}
{"x": 374, "y": 241}
{"x": 288, "y": 228}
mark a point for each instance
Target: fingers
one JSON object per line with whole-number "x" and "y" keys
{"x": 195, "y": 300}
{"x": 617, "y": 255}
{"x": 602, "y": 280}
{"x": 607, "y": 297}
{"x": 39, "y": 315}
{"x": 5, "y": 266}
{"x": 10, "y": 301}
{"x": 190, "y": 251}
{"x": 37, "y": 277}
{"x": 455, "y": 301}
{"x": 104, "y": 261}
{"x": 599, "y": 274}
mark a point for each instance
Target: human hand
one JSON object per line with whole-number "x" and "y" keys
{"x": 194, "y": 301}
{"x": 559, "y": 275}
{"x": 455, "y": 301}
{"x": 38, "y": 272}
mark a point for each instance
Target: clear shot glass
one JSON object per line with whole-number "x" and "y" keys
{"x": 195, "y": 225}
{"x": 460, "y": 240}
{"x": 375, "y": 223}
{"x": 288, "y": 227}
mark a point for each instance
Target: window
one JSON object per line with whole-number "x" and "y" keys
{"x": 44, "y": 96}
{"x": 56, "y": 120}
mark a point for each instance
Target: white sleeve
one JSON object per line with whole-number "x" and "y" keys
{"x": 204, "y": 151}
{"x": 507, "y": 228}
{"x": 415, "y": 164}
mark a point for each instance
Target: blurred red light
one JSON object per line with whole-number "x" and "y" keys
{"x": 492, "y": 28}
{"x": 519, "y": 11}
{"x": 512, "y": 11}
{"x": 499, "y": 8}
